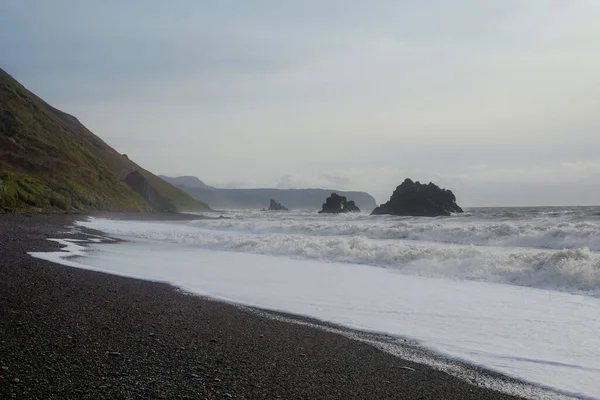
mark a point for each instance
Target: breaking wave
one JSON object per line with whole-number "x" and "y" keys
{"x": 498, "y": 253}
{"x": 549, "y": 232}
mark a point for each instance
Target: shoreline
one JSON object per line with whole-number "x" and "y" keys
{"x": 309, "y": 373}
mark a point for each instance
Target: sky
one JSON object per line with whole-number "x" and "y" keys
{"x": 497, "y": 100}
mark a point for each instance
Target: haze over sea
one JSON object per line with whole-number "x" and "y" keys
{"x": 516, "y": 290}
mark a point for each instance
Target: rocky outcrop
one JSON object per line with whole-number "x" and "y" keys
{"x": 336, "y": 204}
{"x": 419, "y": 200}
{"x": 275, "y": 206}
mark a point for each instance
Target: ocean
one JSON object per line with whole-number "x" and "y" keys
{"x": 514, "y": 290}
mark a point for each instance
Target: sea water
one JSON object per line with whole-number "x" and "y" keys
{"x": 515, "y": 290}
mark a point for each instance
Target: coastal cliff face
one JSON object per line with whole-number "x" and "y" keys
{"x": 50, "y": 161}
{"x": 419, "y": 200}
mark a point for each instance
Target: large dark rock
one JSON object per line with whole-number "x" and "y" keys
{"x": 337, "y": 204}
{"x": 415, "y": 199}
{"x": 275, "y": 206}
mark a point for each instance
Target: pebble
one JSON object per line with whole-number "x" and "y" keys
{"x": 408, "y": 369}
{"x": 5, "y": 368}
{"x": 228, "y": 395}
{"x": 16, "y": 380}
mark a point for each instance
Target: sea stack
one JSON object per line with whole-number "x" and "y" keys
{"x": 275, "y": 206}
{"x": 419, "y": 200}
{"x": 336, "y": 204}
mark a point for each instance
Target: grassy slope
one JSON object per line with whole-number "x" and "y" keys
{"x": 48, "y": 160}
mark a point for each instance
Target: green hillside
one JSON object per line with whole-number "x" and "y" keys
{"x": 50, "y": 161}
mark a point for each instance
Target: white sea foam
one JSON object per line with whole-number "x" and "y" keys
{"x": 467, "y": 286}
{"x": 551, "y": 233}
{"x": 545, "y": 337}
{"x": 574, "y": 270}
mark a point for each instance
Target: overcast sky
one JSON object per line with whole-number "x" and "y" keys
{"x": 498, "y": 100}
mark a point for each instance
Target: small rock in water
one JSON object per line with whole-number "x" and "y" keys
{"x": 338, "y": 204}
{"x": 275, "y": 206}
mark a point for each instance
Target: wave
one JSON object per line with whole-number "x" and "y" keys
{"x": 545, "y": 235}
{"x": 570, "y": 270}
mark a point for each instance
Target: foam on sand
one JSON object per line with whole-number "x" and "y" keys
{"x": 569, "y": 270}
{"x": 546, "y": 337}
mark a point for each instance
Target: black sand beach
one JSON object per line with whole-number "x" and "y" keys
{"x": 67, "y": 333}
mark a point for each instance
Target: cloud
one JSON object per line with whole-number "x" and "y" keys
{"x": 340, "y": 181}
{"x": 561, "y": 173}
{"x": 315, "y": 180}
{"x": 289, "y": 181}
{"x": 328, "y": 94}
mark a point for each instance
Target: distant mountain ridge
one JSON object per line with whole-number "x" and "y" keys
{"x": 261, "y": 197}
{"x": 50, "y": 161}
{"x": 189, "y": 181}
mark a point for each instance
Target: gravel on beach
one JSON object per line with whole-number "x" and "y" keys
{"x": 68, "y": 333}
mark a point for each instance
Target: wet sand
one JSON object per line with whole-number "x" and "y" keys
{"x": 67, "y": 333}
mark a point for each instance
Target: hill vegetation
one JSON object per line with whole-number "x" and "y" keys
{"x": 50, "y": 161}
